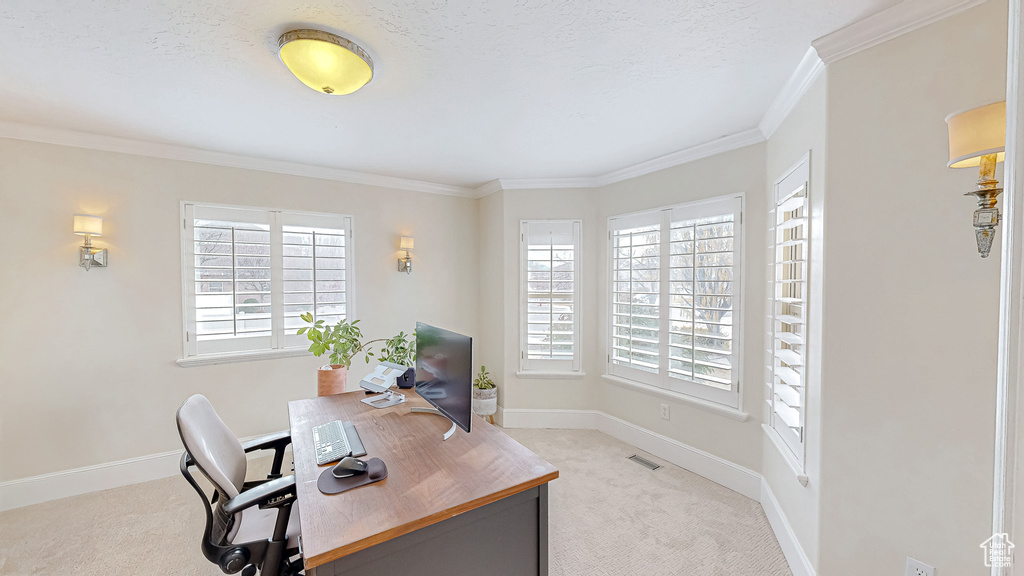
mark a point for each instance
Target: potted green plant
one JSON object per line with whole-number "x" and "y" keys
{"x": 344, "y": 342}
{"x": 485, "y": 394}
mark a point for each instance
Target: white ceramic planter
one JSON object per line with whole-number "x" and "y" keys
{"x": 485, "y": 402}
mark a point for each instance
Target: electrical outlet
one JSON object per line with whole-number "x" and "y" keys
{"x": 664, "y": 412}
{"x": 918, "y": 568}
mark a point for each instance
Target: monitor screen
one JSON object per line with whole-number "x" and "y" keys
{"x": 444, "y": 372}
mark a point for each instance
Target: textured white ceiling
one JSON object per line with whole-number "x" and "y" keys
{"x": 464, "y": 91}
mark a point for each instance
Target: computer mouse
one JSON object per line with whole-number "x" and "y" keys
{"x": 349, "y": 466}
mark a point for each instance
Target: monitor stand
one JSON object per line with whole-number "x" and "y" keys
{"x": 384, "y": 400}
{"x": 420, "y": 410}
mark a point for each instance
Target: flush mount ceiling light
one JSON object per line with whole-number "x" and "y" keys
{"x": 325, "y": 62}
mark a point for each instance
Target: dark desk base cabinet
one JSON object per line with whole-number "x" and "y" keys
{"x": 507, "y": 537}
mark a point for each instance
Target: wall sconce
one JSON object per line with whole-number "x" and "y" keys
{"x": 978, "y": 138}
{"x": 405, "y": 264}
{"x": 88, "y": 256}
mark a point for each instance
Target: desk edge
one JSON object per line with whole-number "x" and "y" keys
{"x": 325, "y": 557}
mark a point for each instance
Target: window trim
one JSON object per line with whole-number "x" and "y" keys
{"x": 234, "y": 357}
{"x": 554, "y": 369}
{"x": 680, "y": 387}
{"x": 714, "y": 407}
{"x": 189, "y": 357}
{"x": 797, "y": 461}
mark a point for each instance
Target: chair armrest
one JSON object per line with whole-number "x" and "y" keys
{"x": 261, "y": 494}
{"x": 277, "y": 441}
{"x": 270, "y": 441}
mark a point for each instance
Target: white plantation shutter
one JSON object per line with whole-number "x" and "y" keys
{"x": 550, "y": 296}
{"x": 675, "y": 298}
{"x": 787, "y": 308}
{"x": 702, "y": 299}
{"x": 251, "y": 272}
{"x": 229, "y": 265}
{"x": 636, "y": 247}
{"x": 316, "y": 253}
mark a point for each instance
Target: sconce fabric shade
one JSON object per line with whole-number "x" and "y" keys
{"x": 325, "y": 62}
{"x": 86, "y": 225}
{"x": 976, "y": 133}
{"x": 407, "y": 243}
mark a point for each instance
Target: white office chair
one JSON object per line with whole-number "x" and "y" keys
{"x": 243, "y": 533}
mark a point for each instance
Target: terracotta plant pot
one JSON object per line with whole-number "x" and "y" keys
{"x": 485, "y": 401}
{"x": 330, "y": 379}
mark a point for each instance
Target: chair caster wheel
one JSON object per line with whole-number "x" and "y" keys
{"x": 237, "y": 560}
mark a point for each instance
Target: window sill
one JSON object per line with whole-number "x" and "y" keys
{"x": 786, "y": 455}
{"x": 232, "y": 357}
{"x": 675, "y": 396}
{"x": 549, "y": 375}
{"x": 719, "y": 409}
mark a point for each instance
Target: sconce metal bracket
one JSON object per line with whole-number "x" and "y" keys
{"x": 92, "y": 258}
{"x": 986, "y": 217}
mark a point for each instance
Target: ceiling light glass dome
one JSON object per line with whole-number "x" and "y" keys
{"x": 325, "y": 62}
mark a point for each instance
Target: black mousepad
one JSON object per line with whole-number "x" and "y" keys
{"x": 376, "y": 471}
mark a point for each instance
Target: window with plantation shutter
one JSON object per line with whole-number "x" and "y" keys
{"x": 550, "y": 296}
{"x": 636, "y": 294}
{"x": 675, "y": 287}
{"x": 787, "y": 308}
{"x": 315, "y": 257}
{"x": 250, "y": 272}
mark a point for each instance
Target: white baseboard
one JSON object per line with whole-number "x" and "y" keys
{"x": 799, "y": 563}
{"x": 45, "y": 487}
{"x": 65, "y": 483}
{"x": 718, "y": 470}
{"x": 563, "y": 419}
{"x": 712, "y": 467}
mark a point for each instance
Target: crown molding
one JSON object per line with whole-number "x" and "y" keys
{"x": 793, "y": 90}
{"x": 62, "y": 137}
{"x": 547, "y": 183}
{"x": 900, "y": 19}
{"x": 487, "y": 188}
{"x": 73, "y": 138}
{"x": 724, "y": 144}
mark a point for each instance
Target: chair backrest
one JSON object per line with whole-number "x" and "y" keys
{"x": 212, "y": 445}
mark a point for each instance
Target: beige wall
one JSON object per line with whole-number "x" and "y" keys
{"x": 490, "y": 351}
{"x": 900, "y": 402}
{"x": 738, "y": 171}
{"x": 92, "y": 354}
{"x": 500, "y": 217}
{"x": 572, "y": 393}
{"x": 801, "y": 133}
{"x": 910, "y": 317}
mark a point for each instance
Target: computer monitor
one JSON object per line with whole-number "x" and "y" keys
{"x": 444, "y": 372}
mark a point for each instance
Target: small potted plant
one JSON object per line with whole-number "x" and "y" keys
{"x": 485, "y": 394}
{"x": 344, "y": 342}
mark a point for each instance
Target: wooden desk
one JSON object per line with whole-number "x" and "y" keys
{"x": 445, "y": 507}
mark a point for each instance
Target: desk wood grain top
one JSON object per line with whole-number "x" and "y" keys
{"x": 429, "y": 479}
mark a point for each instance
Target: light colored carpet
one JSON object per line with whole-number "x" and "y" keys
{"x": 608, "y": 516}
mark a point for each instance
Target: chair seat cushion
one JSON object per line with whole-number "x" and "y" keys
{"x": 254, "y": 524}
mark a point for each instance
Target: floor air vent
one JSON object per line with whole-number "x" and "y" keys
{"x": 644, "y": 462}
